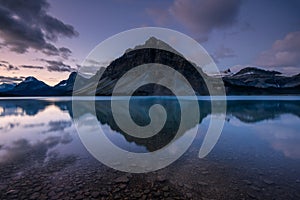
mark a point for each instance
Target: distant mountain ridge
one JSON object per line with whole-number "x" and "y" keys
{"x": 253, "y": 70}
{"x": 248, "y": 81}
{"x": 34, "y": 87}
{"x": 256, "y": 81}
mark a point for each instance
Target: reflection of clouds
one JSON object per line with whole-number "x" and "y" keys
{"x": 23, "y": 146}
{"x": 33, "y": 125}
{"x": 282, "y": 134}
{"x": 67, "y": 138}
{"x": 9, "y": 126}
{"x": 59, "y": 125}
{"x": 23, "y": 152}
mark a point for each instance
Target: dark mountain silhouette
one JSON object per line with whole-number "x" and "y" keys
{"x": 248, "y": 81}
{"x": 4, "y": 87}
{"x": 150, "y": 52}
{"x": 253, "y": 70}
{"x": 65, "y": 87}
{"x": 31, "y": 87}
{"x": 34, "y": 87}
{"x": 144, "y": 56}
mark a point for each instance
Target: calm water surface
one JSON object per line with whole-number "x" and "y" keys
{"x": 256, "y": 157}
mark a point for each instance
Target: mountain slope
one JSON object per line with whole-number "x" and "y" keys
{"x": 5, "y": 87}
{"x": 65, "y": 87}
{"x": 141, "y": 55}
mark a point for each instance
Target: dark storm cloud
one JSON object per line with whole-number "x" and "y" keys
{"x": 26, "y": 24}
{"x": 58, "y": 66}
{"x": 56, "y": 28}
{"x": 31, "y": 67}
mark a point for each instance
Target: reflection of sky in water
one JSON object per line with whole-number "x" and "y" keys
{"x": 282, "y": 134}
{"x": 19, "y": 132}
{"x": 47, "y": 127}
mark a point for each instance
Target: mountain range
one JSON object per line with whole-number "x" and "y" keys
{"x": 248, "y": 81}
{"x": 34, "y": 87}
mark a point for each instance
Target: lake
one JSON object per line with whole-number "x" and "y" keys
{"x": 256, "y": 157}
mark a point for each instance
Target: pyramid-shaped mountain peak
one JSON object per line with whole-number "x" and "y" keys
{"x": 153, "y": 42}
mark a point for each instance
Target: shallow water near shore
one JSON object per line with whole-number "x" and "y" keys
{"x": 256, "y": 157}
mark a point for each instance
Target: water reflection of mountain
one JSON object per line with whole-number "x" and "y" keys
{"x": 255, "y": 111}
{"x": 139, "y": 112}
{"x": 139, "y": 109}
{"x": 248, "y": 111}
{"x": 22, "y": 107}
{"x": 245, "y": 111}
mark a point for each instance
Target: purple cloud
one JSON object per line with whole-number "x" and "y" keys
{"x": 7, "y": 66}
{"x": 7, "y": 79}
{"x": 160, "y": 16}
{"x": 202, "y": 16}
{"x": 223, "y": 52}
{"x": 284, "y": 53}
{"x": 58, "y": 66}
{"x": 199, "y": 16}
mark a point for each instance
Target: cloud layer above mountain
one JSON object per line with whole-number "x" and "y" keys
{"x": 6, "y": 79}
{"x": 58, "y": 66}
{"x": 7, "y": 66}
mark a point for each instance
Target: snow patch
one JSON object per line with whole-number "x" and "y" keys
{"x": 29, "y": 79}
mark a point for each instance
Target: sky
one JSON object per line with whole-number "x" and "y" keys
{"x": 49, "y": 39}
